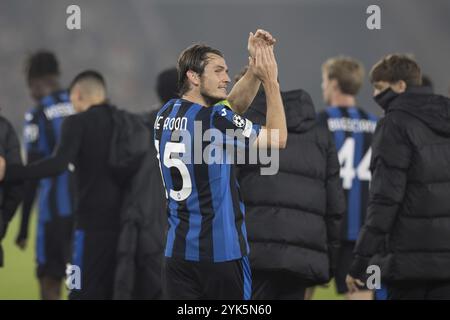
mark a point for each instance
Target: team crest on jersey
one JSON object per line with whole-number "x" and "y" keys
{"x": 238, "y": 121}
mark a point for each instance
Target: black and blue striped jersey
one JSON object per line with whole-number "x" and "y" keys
{"x": 205, "y": 210}
{"x": 353, "y": 129}
{"x": 42, "y": 132}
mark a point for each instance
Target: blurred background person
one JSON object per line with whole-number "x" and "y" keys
{"x": 85, "y": 143}
{"x": 42, "y": 133}
{"x": 167, "y": 85}
{"x": 293, "y": 217}
{"x": 10, "y": 193}
{"x": 352, "y": 128}
{"x": 143, "y": 221}
{"x": 407, "y": 230}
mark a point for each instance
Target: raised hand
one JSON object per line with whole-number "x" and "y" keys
{"x": 264, "y": 65}
{"x": 261, "y": 37}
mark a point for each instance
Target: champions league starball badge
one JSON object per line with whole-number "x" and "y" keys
{"x": 238, "y": 121}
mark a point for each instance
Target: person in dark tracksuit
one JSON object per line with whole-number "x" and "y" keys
{"x": 85, "y": 144}
{"x": 352, "y": 128}
{"x": 42, "y": 132}
{"x": 11, "y": 194}
{"x": 406, "y": 233}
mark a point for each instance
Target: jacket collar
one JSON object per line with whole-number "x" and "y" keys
{"x": 385, "y": 98}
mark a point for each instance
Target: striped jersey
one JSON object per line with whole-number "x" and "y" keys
{"x": 205, "y": 210}
{"x": 353, "y": 129}
{"x": 42, "y": 132}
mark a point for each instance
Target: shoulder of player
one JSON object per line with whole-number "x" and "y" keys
{"x": 221, "y": 110}
{"x": 322, "y": 119}
{"x": 165, "y": 107}
{"x": 33, "y": 113}
{"x": 322, "y": 115}
{"x": 50, "y": 108}
{"x": 207, "y": 113}
{"x": 366, "y": 114}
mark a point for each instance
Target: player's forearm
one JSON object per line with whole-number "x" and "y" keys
{"x": 29, "y": 194}
{"x": 275, "y": 118}
{"x": 243, "y": 92}
{"x": 49, "y": 167}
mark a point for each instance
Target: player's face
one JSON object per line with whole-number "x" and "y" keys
{"x": 326, "y": 88}
{"x": 214, "y": 80}
{"x": 397, "y": 87}
{"x": 38, "y": 89}
{"x": 379, "y": 87}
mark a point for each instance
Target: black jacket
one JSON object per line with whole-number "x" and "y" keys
{"x": 142, "y": 229}
{"x": 407, "y": 229}
{"x": 293, "y": 217}
{"x": 85, "y": 142}
{"x": 10, "y": 193}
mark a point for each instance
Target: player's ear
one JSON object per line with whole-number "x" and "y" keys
{"x": 399, "y": 86}
{"x": 334, "y": 84}
{"x": 193, "y": 77}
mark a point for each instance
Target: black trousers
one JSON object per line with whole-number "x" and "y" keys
{"x": 54, "y": 246}
{"x": 419, "y": 290}
{"x": 95, "y": 254}
{"x": 191, "y": 280}
{"x": 276, "y": 285}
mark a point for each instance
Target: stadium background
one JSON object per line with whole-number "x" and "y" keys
{"x": 132, "y": 41}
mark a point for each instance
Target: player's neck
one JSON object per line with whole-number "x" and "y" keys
{"x": 95, "y": 101}
{"x": 343, "y": 100}
{"x": 196, "y": 98}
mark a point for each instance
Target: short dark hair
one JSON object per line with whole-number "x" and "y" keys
{"x": 41, "y": 63}
{"x": 348, "y": 72}
{"x": 166, "y": 85}
{"x": 396, "y": 67}
{"x": 193, "y": 58}
{"x": 88, "y": 75}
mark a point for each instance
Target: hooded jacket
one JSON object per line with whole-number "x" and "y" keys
{"x": 143, "y": 221}
{"x": 293, "y": 217}
{"x": 407, "y": 228}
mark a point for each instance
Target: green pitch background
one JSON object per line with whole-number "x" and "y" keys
{"x": 18, "y": 281}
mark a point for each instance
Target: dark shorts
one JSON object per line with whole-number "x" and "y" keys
{"x": 54, "y": 247}
{"x": 345, "y": 259}
{"x": 189, "y": 280}
{"x": 94, "y": 253}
